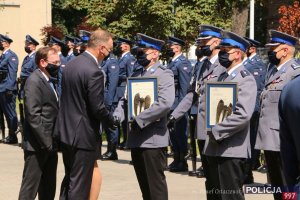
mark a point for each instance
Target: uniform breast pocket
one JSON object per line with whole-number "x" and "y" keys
{"x": 274, "y": 96}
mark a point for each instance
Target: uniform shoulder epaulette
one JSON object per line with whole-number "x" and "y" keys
{"x": 163, "y": 67}
{"x": 245, "y": 73}
{"x": 295, "y": 66}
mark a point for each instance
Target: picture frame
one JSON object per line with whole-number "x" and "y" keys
{"x": 142, "y": 92}
{"x": 220, "y": 102}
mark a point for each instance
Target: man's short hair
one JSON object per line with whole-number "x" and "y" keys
{"x": 42, "y": 53}
{"x": 99, "y": 36}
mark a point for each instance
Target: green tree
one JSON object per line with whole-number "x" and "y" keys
{"x": 159, "y": 18}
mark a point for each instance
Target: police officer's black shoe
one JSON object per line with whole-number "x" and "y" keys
{"x": 262, "y": 169}
{"x": 172, "y": 165}
{"x": 200, "y": 172}
{"x": 110, "y": 156}
{"x": 181, "y": 166}
{"x": 249, "y": 180}
{"x": 11, "y": 139}
{"x": 193, "y": 173}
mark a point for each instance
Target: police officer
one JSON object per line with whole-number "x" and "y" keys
{"x": 209, "y": 38}
{"x": 228, "y": 143}
{"x": 281, "y": 55}
{"x": 70, "y": 43}
{"x": 82, "y": 42}
{"x": 126, "y": 64}
{"x": 194, "y": 111}
{"x": 149, "y": 135}
{"x": 28, "y": 65}
{"x": 8, "y": 87}
{"x": 111, "y": 69}
{"x": 58, "y": 45}
{"x": 289, "y": 133}
{"x": 254, "y": 64}
{"x": 77, "y": 47}
{"x": 182, "y": 70}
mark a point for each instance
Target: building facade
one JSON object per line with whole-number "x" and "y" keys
{"x": 21, "y": 17}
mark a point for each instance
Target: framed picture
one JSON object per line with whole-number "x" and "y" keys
{"x": 142, "y": 92}
{"x": 220, "y": 102}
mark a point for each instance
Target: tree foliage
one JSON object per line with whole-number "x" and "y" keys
{"x": 289, "y": 21}
{"x": 159, "y": 18}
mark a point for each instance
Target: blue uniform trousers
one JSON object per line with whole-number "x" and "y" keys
{"x": 8, "y": 106}
{"x": 179, "y": 137}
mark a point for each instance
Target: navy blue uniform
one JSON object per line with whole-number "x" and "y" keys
{"x": 258, "y": 69}
{"x": 63, "y": 61}
{"x": 126, "y": 66}
{"x": 70, "y": 56}
{"x": 8, "y": 87}
{"x": 182, "y": 71}
{"x": 289, "y": 109}
{"x": 111, "y": 69}
{"x": 28, "y": 66}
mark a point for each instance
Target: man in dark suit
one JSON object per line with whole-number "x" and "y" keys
{"x": 41, "y": 109}
{"x": 289, "y": 133}
{"x": 82, "y": 110}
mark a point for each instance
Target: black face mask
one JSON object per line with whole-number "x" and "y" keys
{"x": 199, "y": 52}
{"x": 142, "y": 60}
{"x": 117, "y": 51}
{"x": 1, "y": 47}
{"x": 106, "y": 57}
{"x": 224, "y": 59}
{"x": 65, "y": 50}
{"x": 206, "y": 50}
{"x": 170, "y": 52}
{"x": 248, "y": 54}
{"x": 52, "y": 70}
{"x": 272, "y": 58}
{"x": 81, "y": 50}
{"x": 27, "y": 50}
{"x": 76, "y": 52}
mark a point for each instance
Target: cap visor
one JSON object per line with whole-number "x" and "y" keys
{"x": 272, "y": 44}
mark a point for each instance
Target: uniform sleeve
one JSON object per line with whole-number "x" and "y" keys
{"x": 185, "y": 105}
{"x": 13, "y": 63}
{"x": 112, "y": 82}
{"x": 4, "y": 62}
{"x": 130, "y": 65}
{"x": 166, "y": 97}
{"x": 184, "y": 77}
{"x": 244, "y": 108}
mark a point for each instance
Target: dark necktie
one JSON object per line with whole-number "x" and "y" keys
{"x": 26, "y": 58}
{"x": 143, "y": 72}
{"x": 223, "y": 76}
{"x": 274, "y": 71}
